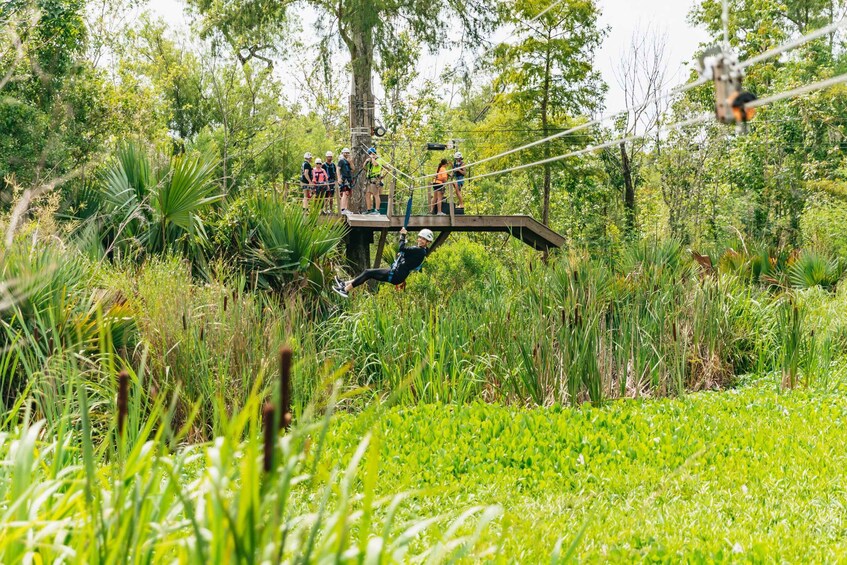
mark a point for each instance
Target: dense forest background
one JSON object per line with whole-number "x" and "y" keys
{"x": 82, "y": 78}
{"x": 179, "y": 383}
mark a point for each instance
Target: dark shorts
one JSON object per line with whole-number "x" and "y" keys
{"x": 381, "y": 275}
{"x": 438, "y": 188}
{"x": 345, "y": 187}
{"x": 305, "y": 186}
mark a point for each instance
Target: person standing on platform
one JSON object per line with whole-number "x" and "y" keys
{"x": 441, "y": 178}
{"x": 332, "y": 182}
{"x": 375, "y": 174}
{"x": 319, "y": 178}
{"x": 345, "y": 186}
{"x": 306, "y": 183}
{"x": 459, "y": 174}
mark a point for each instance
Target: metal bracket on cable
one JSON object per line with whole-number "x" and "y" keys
{"x": 730, "y": 99}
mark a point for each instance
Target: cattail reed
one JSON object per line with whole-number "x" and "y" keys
{"x": 123, "y": 400}
{"x": 270, "y": 433}
{"x": 285, "y": 387}
{"x": 184, "y": 323}
{"x": 226, "y": 300}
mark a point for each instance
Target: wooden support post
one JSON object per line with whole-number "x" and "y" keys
{"x": 390, "y": 210}
{"x": 380, "y": 248}
{"x": 337, "y": 205}
{"x": 450, "y": 203}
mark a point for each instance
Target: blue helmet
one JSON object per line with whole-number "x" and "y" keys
{"x": 372, "y": 151}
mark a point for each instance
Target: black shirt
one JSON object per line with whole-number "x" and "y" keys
{"x": 331, "y": 172}
{"x": 459, "y": 164}
{"x": 409, "y": 258}
{"x": 307, "y": 166}
{"x": 346, "y": 170}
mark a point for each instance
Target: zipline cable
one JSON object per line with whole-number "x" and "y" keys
{"x": 819, "y": 85}
{"x": 794, "y": 43}
{"x": 705, "y": 116}
{"x": 787, "y": 46}
{"x": 581, "y": 127}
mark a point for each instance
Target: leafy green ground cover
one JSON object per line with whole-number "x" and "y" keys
{"x": 747, "y": 475}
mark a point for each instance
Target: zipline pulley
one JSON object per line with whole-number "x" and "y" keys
{"x": 730, "y": 99}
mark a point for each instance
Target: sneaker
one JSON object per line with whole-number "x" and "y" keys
{"x": 340, "y": 292}
{"x": 338, "y": 282}
{"x": 441, "y": 214}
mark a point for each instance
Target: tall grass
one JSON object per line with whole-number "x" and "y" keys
{"x": 578, "y": 330}
{"x": 78, "y": 490}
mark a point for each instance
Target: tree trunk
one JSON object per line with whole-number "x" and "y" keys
{"x": 545, "y": 126}
{"x": 360, "y": 43}
{"x": 629, "y": 191}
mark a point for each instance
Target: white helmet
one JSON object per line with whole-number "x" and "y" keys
{"x": 426, "y": 234}
{"x": 328, "y": 154}
{"x": 308, "y": 155}
{"x": 345, "y": 150}
{"x": 318, "y": 161}
{"x": 458, "y": 155}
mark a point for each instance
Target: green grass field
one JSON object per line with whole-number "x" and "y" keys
{"x": 749, "y": 475}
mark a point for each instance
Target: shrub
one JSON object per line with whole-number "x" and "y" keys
{"x": 277, "y": 244}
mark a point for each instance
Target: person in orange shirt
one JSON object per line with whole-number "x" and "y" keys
{"x": 441, "y": 178}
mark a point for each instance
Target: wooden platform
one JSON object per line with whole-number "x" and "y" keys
{"x": 525, "y": 228}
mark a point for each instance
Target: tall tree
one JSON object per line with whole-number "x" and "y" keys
{"x": 549, "y": 72}
{"x": 641, "y": 76}
{"x": 370, "y": 31}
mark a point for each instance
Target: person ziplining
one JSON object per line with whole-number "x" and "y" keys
{"x": 409, "y": 258}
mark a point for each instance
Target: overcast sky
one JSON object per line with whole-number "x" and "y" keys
{"x": 623, "y": 17}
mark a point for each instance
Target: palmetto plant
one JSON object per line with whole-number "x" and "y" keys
{"x": 48, "y": 306}
{"x": 150, "y": 204}
{"x": 811, "y": 269}
{"x": 281, "y": 245}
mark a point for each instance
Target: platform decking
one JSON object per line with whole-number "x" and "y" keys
{"x": 525, "y": 228}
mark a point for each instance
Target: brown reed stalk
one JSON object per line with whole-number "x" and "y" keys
{"x": 285, "y": 387}
{"x": 123, "y": 400}
{"x": 270, "y": 434}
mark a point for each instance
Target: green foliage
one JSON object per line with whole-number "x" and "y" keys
{"x": 49, "y": 308}
{"x": 152, "y": 207}
{"x": 279, "y": 246}
{"x": 576, "y": 331}
{"x": 824, "y": 225}
{"x": 711, "y": 477}
{"x": 78, "y": 490}
{"x": 813, "y": 269}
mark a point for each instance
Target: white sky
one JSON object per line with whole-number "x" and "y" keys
{"x": 623, "y": 17}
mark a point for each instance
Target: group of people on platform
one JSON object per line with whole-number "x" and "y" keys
{"x": 321, "y": 180}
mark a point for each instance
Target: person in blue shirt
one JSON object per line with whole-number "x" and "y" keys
{"x": 459, "y": 173}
